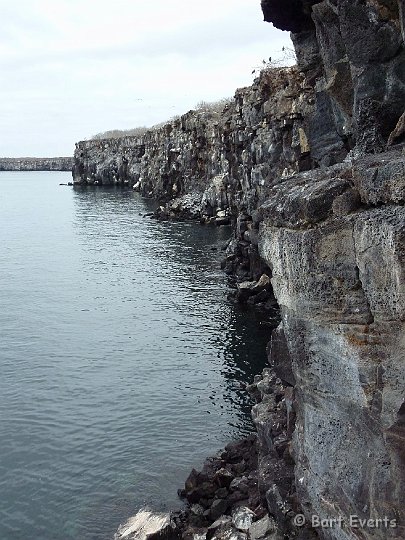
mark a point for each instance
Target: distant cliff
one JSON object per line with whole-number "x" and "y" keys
{"x": 36, "y": 164}
{"x": 230, "y": 159}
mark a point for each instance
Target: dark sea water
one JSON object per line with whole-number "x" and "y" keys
{"x": 121, "y": 357}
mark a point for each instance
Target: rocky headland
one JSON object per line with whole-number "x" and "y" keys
{"x": 36, "y": 164}
{"x": 308, "y": 164}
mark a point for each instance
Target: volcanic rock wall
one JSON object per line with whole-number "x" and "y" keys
{"x": 335, "y": 241}
{"x": 36, "y": 164}
{"x": 337, "y": 254}
{"x": 229, "y": 159}
{"x": 310, "y": 163}
{"x": 353, "y": 53}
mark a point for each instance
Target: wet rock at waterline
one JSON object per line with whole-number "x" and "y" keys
{"x": 147, "y": 525}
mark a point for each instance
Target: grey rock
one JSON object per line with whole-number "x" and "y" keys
{"x": 210, "y": 157}
{"x": 251, "y": 236}
{"x": 299, "y": 203}
{"x": 262, "y": 528}
{"x": 224, "y": 477}
{"x": 146, "y": 525}
{"x": 192, "y": 480}
{"x": 223, "y": 520}
{"x": 327, "y": 147}
{"x": 242, "y": 518}
{"x": 239, "y": 484}
{"x": 279, "y": 356}
{"x": 222, "y": 523}
{"x": 379, "y": 236}
{"x": 202, "y": 490}
{"x": 218, "y": 507}
{"x": 276, "y": 504}
{"x": 221, "y": 493}
{"x": 237, "y": 497}
{"x": 230, "y": 534}
{"x": 247, "y": 289}
{"x": 341, "y": 286}
{"x": 353, "y": 55}
{"x": 382, "y": 180}
{"x": 347, "y": 202}
{"x": 263, "y": 283}
{"x": 197, "y": 510}
{"x": 188, "y": 205}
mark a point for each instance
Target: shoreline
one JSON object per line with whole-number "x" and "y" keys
{"x": 228, "y": 498}
{"x": 64, "y": 164}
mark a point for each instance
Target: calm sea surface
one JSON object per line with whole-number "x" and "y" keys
{"x": 120, "y": 357}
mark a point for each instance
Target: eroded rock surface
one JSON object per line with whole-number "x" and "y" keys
{"x": 339, "y": 280}
{"x": 334, "y": 241}
{"x": 229, "y": 159}
{"x": 352, "y": 52}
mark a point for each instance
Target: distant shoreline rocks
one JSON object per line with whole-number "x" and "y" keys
{"x": 37, "y": 164}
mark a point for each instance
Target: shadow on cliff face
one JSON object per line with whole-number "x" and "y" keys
{"x": 355, "y": 53}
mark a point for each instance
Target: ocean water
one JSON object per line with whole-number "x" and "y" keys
{"x": 121, "y": 359}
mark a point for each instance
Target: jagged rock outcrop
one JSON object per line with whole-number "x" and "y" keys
{"x": 36, "y": 164}
{"x": 108, "y": 161}
{"x": 353, "y": 52}
{"x": 309, "y": 166}
{"x": 230, "y": 159}
{"x": 214, "y": 166}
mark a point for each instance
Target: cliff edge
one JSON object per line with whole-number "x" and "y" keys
{"x": 309, "y": 164}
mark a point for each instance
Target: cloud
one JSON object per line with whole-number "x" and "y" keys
{"x": 72, "y": 68}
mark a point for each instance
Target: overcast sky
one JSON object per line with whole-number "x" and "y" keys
{"x": 74, "y": 68}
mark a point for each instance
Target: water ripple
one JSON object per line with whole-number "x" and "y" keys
{"x": 121, "y": 358}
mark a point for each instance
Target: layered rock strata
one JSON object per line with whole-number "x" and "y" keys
{"x": 309, "y": 165}
{"x": 36, "y": 164}
{"x": 334, "y": 240}
{"x": 337, "y": 261}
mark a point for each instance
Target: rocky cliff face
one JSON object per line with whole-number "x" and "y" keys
{"x": 338, "y": 261}
{"x": 334, "y": 239}
{"x": 353, "y": 53}
{"x": 310, "y": 165}
{"x": 36, "y": 164}
{"x": 229, "y": 159}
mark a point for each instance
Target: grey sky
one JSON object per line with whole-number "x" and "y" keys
{"x": 73, "y": 68}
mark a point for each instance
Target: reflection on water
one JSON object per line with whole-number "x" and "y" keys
{"x": 123, "y": 358}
